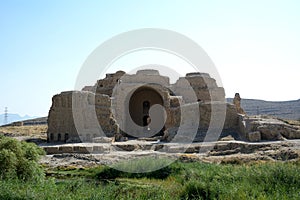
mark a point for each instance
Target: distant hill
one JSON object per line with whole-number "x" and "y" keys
{"x": 36, "y": 121}
{"x": 13, "y": 118}
{"x": 281, "y": 109}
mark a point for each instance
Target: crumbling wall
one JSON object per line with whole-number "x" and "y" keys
{"x": 60, "y": 118}
{"x": 205, "y": 88}
{"x": 104, "y": 114}
{"x": 87, "y": 110}
{"x": 97, "y": 113}
{"x": 106, "y": 85}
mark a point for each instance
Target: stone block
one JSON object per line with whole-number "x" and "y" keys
{"x": 66, "y": 149}
{"x": 51, "y": 150}
{"x": 254, "y": 136}
{"x": 102, "y": 140}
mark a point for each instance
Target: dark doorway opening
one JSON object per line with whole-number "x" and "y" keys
{"x": 140, "y": 103}
{"x": 66, "y": 137}
{"x": 146, "y": 120}
{"x": 146, "y": 107}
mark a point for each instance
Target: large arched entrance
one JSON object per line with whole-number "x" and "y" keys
{"x": 140, "y": 103}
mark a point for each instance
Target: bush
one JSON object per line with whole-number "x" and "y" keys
{"x": 18, "y": 160}
{"x": 8, "y": 163}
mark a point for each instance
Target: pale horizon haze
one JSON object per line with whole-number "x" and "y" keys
{"x": 255, "y": 45}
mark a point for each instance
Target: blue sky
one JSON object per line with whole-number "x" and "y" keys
{"x": 255, "y": 45}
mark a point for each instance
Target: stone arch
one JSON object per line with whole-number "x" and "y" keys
{"x": 140, "y": 103}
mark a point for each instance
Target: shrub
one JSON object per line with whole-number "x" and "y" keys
{"x": 8, "y": 163}
{"x": 19, "y": 160}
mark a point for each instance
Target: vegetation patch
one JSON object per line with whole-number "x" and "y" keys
{"x": 18, "y": 160}
{"x": 20, "y": 174}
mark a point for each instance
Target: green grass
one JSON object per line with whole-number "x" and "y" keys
{"x": 178, "y": 181}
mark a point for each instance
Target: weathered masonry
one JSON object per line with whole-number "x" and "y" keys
{"x": 144, "y": 104}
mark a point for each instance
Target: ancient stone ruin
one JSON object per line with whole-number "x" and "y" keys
{"x": 237, "y": 103}
{"x": 146, "y": 105}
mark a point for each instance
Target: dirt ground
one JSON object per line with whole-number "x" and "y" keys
{"x": 229, "y": 151}
{"x": 233, "y": 152}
